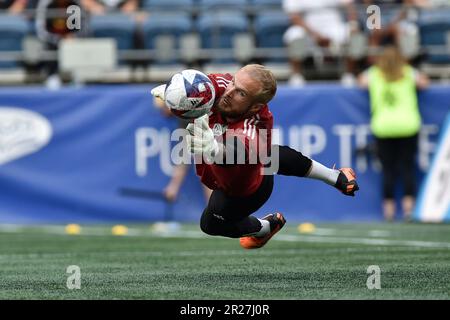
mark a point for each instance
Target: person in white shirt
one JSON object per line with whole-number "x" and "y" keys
{"x": 320, "y": 24}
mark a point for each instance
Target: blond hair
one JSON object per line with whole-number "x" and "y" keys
{"x": 391, "y": 63}
{"x": 267, "y": 80}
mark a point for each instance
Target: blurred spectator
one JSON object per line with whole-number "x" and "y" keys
{"x": 438, "y": 3}
{"x": 105, "y": 6}
{"x": 395, "y": 123}
{"x": 180, "y": 171}
{"x": 51, "y": 27}
{"x": 321, "y": 24}
{"x": 398, "y": 21}
{"x": 13, "y": 6}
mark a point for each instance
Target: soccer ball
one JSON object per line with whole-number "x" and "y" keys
{"x": 189, "y": 94}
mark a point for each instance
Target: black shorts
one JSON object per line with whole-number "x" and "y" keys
{"x": 232, "y": 216}
{"x": 291, "y": 163}
{"x": 228, "y": 208}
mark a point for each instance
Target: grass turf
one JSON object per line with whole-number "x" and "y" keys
{"x": 329, "y": 264}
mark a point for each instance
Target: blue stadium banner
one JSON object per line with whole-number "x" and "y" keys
{"x": 433, "y": 203}
{"x": 103, "y": 154}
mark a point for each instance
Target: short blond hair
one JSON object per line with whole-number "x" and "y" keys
{"x": 267, "y": 80}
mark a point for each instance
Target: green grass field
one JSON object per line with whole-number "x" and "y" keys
{"x": 328, "y": 264}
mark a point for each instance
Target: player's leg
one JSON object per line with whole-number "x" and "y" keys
{"x": 291, "y": 162}
{"x": 386, "y": 151}
{"x": 294, "y": 163}
{"x": 271, "y": 224}
{"x": 231, "y": 216}
{"x": 406, "y": 160}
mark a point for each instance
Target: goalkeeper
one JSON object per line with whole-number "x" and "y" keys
{"x": 241, "y": 119}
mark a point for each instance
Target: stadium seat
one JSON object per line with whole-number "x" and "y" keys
{"x": 217, "y": 31}
{"x": 264, "y": 4}
{"x": 120, "y": 27}
{"x": 13, "y": 30}
{"x": 207, "y": 5}
{"x": 434, "y": 27}
{"x": 269, "y": 28}
{"x": 163, "y": 32}
{"x": 168, "y": 5}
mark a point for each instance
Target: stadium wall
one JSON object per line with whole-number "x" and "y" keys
{"x": 102, "y": 154}
{"x": 433, "y": 203}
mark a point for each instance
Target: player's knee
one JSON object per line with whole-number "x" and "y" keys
{"x": 207, "y": 226}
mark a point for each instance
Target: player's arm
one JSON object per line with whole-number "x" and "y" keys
{"x": 200, "y": 141}
{"x": 363, "y": 80}
{"x": 421, "y": 79}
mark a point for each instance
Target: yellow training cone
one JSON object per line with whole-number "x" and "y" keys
{"x": 73, "y": 228}
{"x": 306, "y": 228}
{"x": 119, "y": 230}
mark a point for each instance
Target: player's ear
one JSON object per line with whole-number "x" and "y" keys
{"x": 256, "y": 107}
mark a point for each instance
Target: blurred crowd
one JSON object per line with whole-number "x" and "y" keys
{"x": 320, "y": 35}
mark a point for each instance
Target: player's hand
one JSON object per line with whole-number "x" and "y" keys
{"x": 346, "y": 182}
{"x": 158, "y": 92}
{"x": 200, "y": 140}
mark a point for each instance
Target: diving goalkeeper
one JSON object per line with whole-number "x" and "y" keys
{"x": 240, "y": 119}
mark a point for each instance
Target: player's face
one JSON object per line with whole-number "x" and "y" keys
{"x": 238, "y": 99}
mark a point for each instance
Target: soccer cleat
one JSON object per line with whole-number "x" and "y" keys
{"x": 346, "y": 182}
{"x": 276, "y": 221}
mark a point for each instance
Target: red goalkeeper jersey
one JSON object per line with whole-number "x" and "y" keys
{"x": 254, "y": 133}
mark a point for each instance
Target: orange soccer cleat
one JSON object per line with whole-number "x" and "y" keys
{"x": 346, "y": 182}
{"x": 276, "y": 221}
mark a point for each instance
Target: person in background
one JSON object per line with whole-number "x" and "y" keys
{"x": 104, "y": 6}
{"x": 395, "y": 123}
{"x": 398, "y": 21}
{"x": 13, "y": 6}
{"x": 180, "y": 171}
{"x": 322, "y": 25}
{"x": 51, "y": 28}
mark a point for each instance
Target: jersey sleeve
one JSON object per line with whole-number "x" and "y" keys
{"x": 220, "y": 82}
{"x": 249, "y": 141}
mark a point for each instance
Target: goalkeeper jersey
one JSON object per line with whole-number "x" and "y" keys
{"x": 253, "y": 134}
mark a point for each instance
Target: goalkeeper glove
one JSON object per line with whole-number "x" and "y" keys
{"x": 200, "y": 140}
{"x": 346, "y": 182}
{"x": 158, "y": 92}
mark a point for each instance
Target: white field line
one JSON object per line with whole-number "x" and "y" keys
{"x": 365, "y": 241}
{"x": 92, "y": 231}
{"x": 379, "y": 233}
{"x": 185, "y": 253}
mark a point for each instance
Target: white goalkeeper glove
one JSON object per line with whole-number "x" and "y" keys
{"x": 158, "y": 96}
{"x": 200, "y": 140}
{"x": 158, "y": 92}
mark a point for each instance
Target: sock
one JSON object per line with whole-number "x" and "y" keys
{"x": 265, "y": 229}
{"x": 320, "y": 172}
